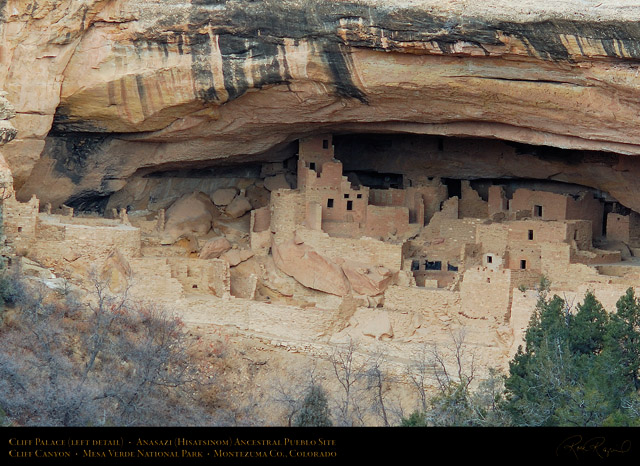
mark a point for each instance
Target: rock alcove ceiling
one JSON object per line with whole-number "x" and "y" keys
{"x": 107, "y": 92}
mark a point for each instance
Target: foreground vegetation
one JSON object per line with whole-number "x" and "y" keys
{"x": 111, "y": 362}
{"x": 578, "y": 368}
{"x": 108, "y": 361}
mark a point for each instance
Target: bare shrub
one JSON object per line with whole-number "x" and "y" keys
{"x": 113, "y": 362}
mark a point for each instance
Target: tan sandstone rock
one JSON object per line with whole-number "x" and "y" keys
{"x": 309, "y": 268}
{"x": 191, "y": 214}
{"x": 276, "y": 182}
{"x": 116, "y": 272}
{"x": 366, "y": 279}
{"x": 236, "y": 256}
{"x": 141, "y": 88}
{"x": 238, "y": 207}
{"x": 224, "y": 196}
{"x": 214, "y": 248}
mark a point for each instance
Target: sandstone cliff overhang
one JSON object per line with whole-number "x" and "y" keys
{"x": 104, "y": 90}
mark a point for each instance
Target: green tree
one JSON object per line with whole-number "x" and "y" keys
{"x": 577, "y": 368}
{"x": 623, "y": 337}
{"x": 315, "y": 409}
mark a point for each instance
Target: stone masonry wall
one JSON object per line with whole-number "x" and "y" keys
{"x": 471, "y": 204}
{"x": 287, "y": 212}
{"x": 203, "y": 275}
{"x": 422, "y": 300}
{"x": 20, "y": 220}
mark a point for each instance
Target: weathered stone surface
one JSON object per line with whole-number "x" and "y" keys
{"x": 224, "y": 196}
{"x": 116, "y": 272}
{"x": 377, "y": 325}
{"x": 126, "y": 84}
{"x": 258, "y": 196}
{"x": 365, "y": 279}
{"x": 238, "y": 207}
{"x": 7, "y": 133}
{"x": 191, "y": 214}
{"x": 310, "y": 268}
{"x": 214, "y": 248}
{"x": 236, "y": 256}
{"x": 6, "y": 179}
{"x": 276, "y": 182}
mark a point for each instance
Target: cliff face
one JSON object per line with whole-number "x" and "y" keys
{"x": 105, "y": 89}
{"x": 7, "y": 133}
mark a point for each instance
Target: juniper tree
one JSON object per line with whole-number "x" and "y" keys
{"x": 315, "y": 409}
{"x": 577, "y": 368}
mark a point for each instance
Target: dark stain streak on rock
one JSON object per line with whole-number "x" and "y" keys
{"x": 142, "y": 95}
{"x": 234, "y": 52}
{"x": 73, "y": 153}
{"x": 338, "y": 61}
{"x": 180, "y": 42}
{"x": 165, "y": 49}
{"x": 255, "y": 32}
{"x": 201, "y": 67}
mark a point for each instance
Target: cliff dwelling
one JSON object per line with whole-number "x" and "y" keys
{"x": 389, "y": 222}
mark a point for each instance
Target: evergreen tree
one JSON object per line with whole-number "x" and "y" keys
{"x": 315, "y": 409}
{"x": 577, "y": 369}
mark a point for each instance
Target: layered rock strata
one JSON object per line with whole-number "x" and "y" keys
{"x": 107, "y": 89}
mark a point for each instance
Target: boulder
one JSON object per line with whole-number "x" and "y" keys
{"x": 214, "y": 248}
{"x": 236, "y": 256}
{"x": 258, "y": 196}
{"x": 276, "y": 182}
{"x": 191, "y": 214}
{"x": 224, "y": 196}
{"x": 238, "y": 207}
{"x": 378, "y": 326}
{"x": 366, "y": 279}
{"x": 309, "y": 268}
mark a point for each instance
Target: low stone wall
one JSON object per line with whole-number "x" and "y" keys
{"x": 428, "y": 302}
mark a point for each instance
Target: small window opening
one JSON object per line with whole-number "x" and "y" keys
{"x": 537, "y": 210}
{"x": 349, "y": 205}
{"x": 435, "y": 265}
{"x": 194, "y": 286}
{"x": 523, "y": 264}
{"x": 346, "y": 196}
{"x": 330, "y": 203}
{"x": 415, "y": 265}
{"x": 530, "y": 235}
{"x": 452, "y": 268}
{"x": 489, "y": 259}
{"x": 19, "y": 229}
{"x": 312, "y": 165}
{"x": 325, "y": 143}
{"x": 359, "y": 196}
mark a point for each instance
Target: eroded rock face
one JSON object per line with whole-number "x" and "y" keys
{"x": 7, "y": 133}
{"x": 129, "y": 87}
